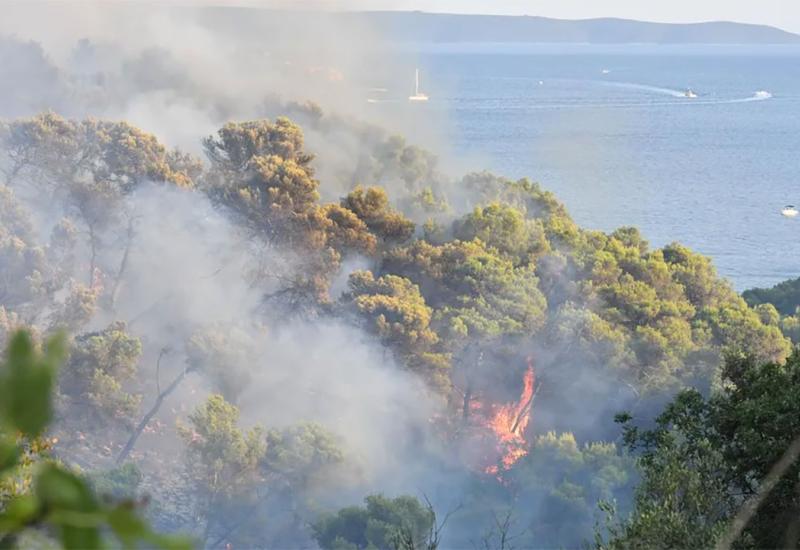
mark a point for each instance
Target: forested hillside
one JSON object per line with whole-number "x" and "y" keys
{"x": 779, "y": 306}
{"x": 450, "y": 27}
{"x": 258, "y": 360}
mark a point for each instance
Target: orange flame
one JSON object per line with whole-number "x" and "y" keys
{"x": 509, "y": 423}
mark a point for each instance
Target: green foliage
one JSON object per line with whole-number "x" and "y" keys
{"x": 393, "y": 308}
{"x": 784, "y": 296}
{"x": 118, "y": 483}
{"x": 237, "y": 144}
{"x": 372, "y": 206}
{"x": 506, "y": 229}
{"x": 224, "y": 354}
{"x": 741, "y": 329}
{"x": 27, "y": 384}
{"x": 501, "y": 270}
{"x": 401, "y": 523}
{"x": 48, "y": 149}
{"x": 89, "y": 168}
{"x": 346, "y": 232}
{"x": 26, "y": 280}
{"x": 790, "y": 326}
{"x": 682, "y": 500}
{"x": 476, "y": 292}
{"x": 222, "y": 461}
{"x": 593, "y": 340}
{"x": 429, "y": 202}
{"x": 782, "y": 302}
{"x": 676, "y": 313}
{"x": 302, "y": 453}
{"x": 77, "y": 309}
{"x": 261, "y": 174}
{"x": 57, "y": 499}
{"x": 706, "y": 457}
{"x": 221, "y": 457}
{"x": 559, "y": 458}
{"x": 412, "y": 165}
{"x": 527, "y": 196}
{"x": 559, "y": 478}
{"x": 99, "y": 364}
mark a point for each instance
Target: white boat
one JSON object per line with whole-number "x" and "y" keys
{"x": 417, "y": 95}
{"x": 606, "y": 71}
{"x": 790, "y": 211}
{"x": 690, "y": 94}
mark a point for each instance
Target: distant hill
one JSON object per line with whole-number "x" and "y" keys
{"x": 435, "y": 27}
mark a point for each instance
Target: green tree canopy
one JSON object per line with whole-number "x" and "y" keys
{"x": 100, "y": 363}
{"x": 784, "y": 296}
{"x": 384, "y": 523}
{"x": 222, "y": 462}
{"x": 371, "y": 205}
{"x": 708, "y": 457}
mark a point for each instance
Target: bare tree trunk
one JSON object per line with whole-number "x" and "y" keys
{"x": 243, "y": 519}
{"x": 123, "y": 264}
{"x": 467, "y": 400}
{"x": 93, "y": 258}
{"x": 209, "y": 518}
{"x": 526, "y": 408}
{"x": 12, "y": 174}
{"x": 465, "y": 411}
{"x": 154, "y": 409}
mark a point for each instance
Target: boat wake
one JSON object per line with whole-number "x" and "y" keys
{"x": 761, "y": 95}
{"x": 648, "y": 88}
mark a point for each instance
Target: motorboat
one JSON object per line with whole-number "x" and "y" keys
{"x": 689, "y": 94}
{"x": 790, "y": 211}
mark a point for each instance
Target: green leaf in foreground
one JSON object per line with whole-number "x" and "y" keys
{"x": 18, "y": 512}
{"x": 28, "y": 383}
{"x": 130, "y": 529}
{"x": 61, "y": 502}
{"x": 9, "y": 454}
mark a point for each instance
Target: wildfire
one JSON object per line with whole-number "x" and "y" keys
{"x": 509, "y": 423}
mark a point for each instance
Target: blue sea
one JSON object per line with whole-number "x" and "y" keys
{"x": 610, "y": 131}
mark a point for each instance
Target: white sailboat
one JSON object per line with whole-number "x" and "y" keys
{"x": 417, "y": 95}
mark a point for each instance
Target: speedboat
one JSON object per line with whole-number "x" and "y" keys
{"x": 790, "y": 211}
{"x": 690, "y": 94}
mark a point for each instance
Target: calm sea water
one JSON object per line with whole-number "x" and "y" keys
{"x": 609, "y": 130}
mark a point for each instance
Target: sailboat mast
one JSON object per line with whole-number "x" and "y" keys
{"x": 418, "y": 96}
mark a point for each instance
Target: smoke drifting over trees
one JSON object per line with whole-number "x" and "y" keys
{"x": 278, "y": 307}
